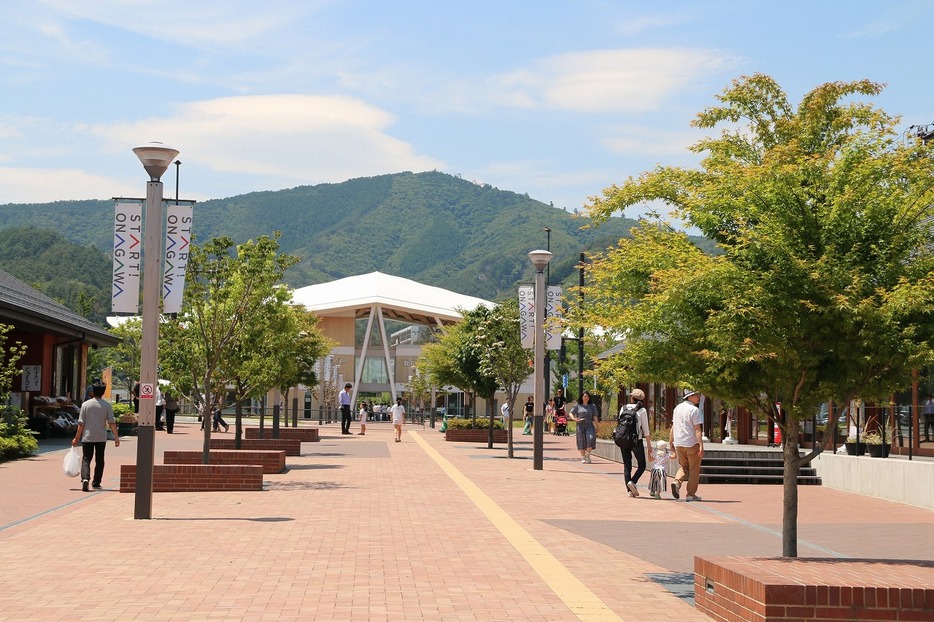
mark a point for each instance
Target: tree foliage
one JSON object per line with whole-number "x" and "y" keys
{"x": 825, "y": 284}
{"x": 499, "y": 341}
{"x": 232, "y": 307}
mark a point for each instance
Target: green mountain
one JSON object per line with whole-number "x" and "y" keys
{"x": 76, "y": 276}
{"x": 430, "y": 227}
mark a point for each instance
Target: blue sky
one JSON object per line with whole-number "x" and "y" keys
{"x": 557, "y": 99}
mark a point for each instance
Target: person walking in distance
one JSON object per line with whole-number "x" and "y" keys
{"x": 585, "y": 414}
{"x": 96, "y": 414}
{"x": 642, "y": 437}
{"x": 687, "y": 439}
{"x": 344, "y": 401}
{"x": 171, "y": 409}
{"x": 398, "y": 418}
{"x": 529, "y": 416}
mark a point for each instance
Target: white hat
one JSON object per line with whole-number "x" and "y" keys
{"x": 689, "y": 392}
{"x": 661, "y": 444}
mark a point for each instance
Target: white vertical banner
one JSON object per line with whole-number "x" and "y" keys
{"x": 128, "y": 247}
{"x": 178, "y": 218}
{"x": 527, "y": 315}
{"x": 552, "y": 315}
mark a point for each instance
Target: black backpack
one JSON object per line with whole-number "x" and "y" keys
{"x": 626, "y": 434}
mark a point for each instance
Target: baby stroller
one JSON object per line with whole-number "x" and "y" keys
{"x": 561, "y": 423}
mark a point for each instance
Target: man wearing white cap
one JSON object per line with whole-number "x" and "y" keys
{"x": 687, "y": 438}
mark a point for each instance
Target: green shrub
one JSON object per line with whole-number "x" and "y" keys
{"x": 16, "y": 440}
{"x": 122, "y": 408}
{"x": 467, "y": 424}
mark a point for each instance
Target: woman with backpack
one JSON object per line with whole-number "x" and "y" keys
{"x": 585, "y": 414}
{"x": 632, "y": 434}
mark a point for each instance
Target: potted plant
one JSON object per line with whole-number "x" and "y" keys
{"x": 875, "y": 446}
{"x": 127, "y": 421}
{"x": 856, "y": 449}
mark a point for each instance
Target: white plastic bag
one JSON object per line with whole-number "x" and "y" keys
{"x": 72, "y": 464}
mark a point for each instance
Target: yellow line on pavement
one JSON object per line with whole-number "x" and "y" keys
{"x": 586, "y": 605}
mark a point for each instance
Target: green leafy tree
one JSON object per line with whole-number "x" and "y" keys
{"x": 16, "y": 440}
{"x": 501, "y": 354}
{"x": 124, "y": 358}
{"x": 224, "y": 306}
{"x": 824, "y": 287}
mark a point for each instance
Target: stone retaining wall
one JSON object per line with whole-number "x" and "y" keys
{"x": 271, "y": 461}
{"x": 475, "y": 436}
{"x": 306, "y": 435}
{"x": 291, "y": 446}
{"x": 748, "y": 589}
{"x": 196, "y": 477}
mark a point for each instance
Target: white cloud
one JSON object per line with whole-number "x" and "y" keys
{"x": 302, "y": 138}
{"x": 189, "y": 23}
{"x": 639, "y": 140}
{"x": 36, "y": 185}
{"x": 610, "y": 81}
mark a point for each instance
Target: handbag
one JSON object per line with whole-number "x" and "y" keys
{"x": 72, "y": 464}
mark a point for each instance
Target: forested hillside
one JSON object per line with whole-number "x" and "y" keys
{"x": 431, "y": 227}
{"x": 77, "y": 276}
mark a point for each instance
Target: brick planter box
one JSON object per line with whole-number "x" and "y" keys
{"x": 305, "y": 435}
{"x": 752, "y": 589}
{"x": 271, "y": 461}
{"x": 196, "y": 477}
{"x": 291, "y": 446}
{"x": 474, "y": 436}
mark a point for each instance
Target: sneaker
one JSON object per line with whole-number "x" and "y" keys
{"x": 583, "y": 460}
{"x": 587, "y": 458}
{"x": 96, "y": 486}
{"x": 629, "y": 492}
{"x": 84, "y": 486}
{"x": 656, "y": 495}
{"x": 676, "y": 490}
{"x": 692, "y": 498}
{"x": 632, "y": 489}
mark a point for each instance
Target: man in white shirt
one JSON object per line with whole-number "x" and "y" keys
{"x": 687, "y": 438}
{"x": 344, "y": 401}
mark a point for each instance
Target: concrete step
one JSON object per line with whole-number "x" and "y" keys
{"x": 737, "y": 478}
{"x": 751, "y": 470}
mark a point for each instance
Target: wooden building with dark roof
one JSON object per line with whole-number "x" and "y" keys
{"x": 57, "y": 341}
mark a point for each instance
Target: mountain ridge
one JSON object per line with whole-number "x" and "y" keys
{"x": 432, "y": 227}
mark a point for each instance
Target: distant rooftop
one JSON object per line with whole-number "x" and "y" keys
{"x": 401, "y": 299}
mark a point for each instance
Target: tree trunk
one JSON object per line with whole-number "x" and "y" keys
{"x": 509, "y": 450}
{"x": 792, "y": 460}
{"x": 489, "y": 408}
{"x": 207, "y": 419}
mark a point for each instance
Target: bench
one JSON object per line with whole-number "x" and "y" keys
{"x": 770, "y": 589}
{"x": 291, "y": 446}
{"x": 271, "y": 461}
{"x": 196, "y": 477}
{"x": 305, "y": 435}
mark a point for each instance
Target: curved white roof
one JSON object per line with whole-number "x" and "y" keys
{"x": 400, "y": 298}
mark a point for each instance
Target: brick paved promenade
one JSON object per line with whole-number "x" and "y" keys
{"x": 361, "y": 528}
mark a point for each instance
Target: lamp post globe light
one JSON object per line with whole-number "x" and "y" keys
{"x": 156, "y": 159}
{"x": 540, "y": 260}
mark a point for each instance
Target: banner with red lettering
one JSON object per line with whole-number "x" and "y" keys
{"x": 178, "y": 218}
{"x": 127, "y": 255}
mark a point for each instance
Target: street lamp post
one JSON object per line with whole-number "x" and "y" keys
{"x": 155, "y": 158}
{"x": 540, "y": 260}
